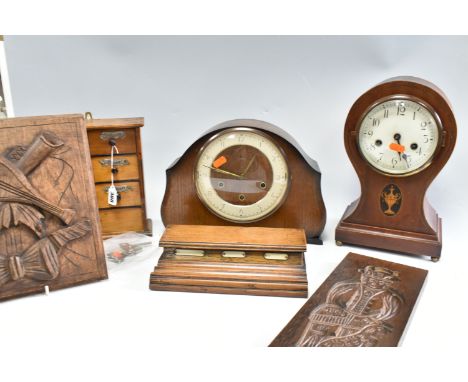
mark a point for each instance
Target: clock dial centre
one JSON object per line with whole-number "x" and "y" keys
{"x": 251, "y": 179}
{"x": 241, "y": 175}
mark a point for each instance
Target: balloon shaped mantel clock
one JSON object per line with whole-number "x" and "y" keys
{"x": 245, "y": 173}
{"x": 398, "y": 136}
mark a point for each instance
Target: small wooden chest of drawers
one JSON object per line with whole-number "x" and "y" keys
{"x": 130, "y": 213}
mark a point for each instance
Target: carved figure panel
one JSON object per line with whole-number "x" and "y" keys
{"x": 356, "y": 312}
{"x": 364, "y": 302}
{"x": 49, "y": 230}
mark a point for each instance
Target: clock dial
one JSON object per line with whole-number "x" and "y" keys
{"x": 241, "y": 175}
{"x": 398, "y": 136}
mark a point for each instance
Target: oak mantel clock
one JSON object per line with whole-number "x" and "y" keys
{"x": 398, "y": 136}
{"x": 245, "y": 173}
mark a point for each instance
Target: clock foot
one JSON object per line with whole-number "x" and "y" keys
{"x": 410, "y": 243}
{"x": 339, "y": 243}
{"x": 435, "y": 259}
{"x": 314, "y": 240}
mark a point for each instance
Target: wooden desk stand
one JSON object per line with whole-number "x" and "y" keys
{"x": 232, "y": 260}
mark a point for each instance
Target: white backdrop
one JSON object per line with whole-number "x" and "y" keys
{"x": 185, "y": 85}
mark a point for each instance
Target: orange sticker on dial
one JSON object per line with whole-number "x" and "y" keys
{"x": 396, "y": 147}
{"x": 219, "y": 162}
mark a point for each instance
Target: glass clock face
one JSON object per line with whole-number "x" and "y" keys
{"x": 398, "y": 136}
{"x": 241, "y": 175}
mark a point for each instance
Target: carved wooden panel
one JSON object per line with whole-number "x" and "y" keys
{"x": 364, "y": 302}
{"x": 49, "y": 227}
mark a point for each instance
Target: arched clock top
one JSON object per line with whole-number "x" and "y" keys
{"x": 245, "y": 172}
{"x": 422, "y": 93}
{"x": 255, "y": 124}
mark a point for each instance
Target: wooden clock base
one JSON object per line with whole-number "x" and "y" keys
{"x": 411, "y": 243}
{"x": 232, "y": 260}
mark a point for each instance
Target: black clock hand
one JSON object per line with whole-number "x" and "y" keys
{"x": 405, "y": 157}
{"x": 397, "y": 138}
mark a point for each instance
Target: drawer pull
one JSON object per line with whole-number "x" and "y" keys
{"x": 189, "y": 252}
{"x": 120, "y": 188}
{"x": 276, "y": 256}
{"x": 117, "y": 162}
{"x": 107, "y": 135}
{"x": 233, "y": 254}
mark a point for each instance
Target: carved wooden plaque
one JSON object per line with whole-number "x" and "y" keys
{"x": 49, "y": 227}
{"x": 364, "y": 302}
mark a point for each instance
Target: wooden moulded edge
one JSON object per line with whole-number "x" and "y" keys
{"x": 114, "y": 123}
{"x": 242, "y": 238}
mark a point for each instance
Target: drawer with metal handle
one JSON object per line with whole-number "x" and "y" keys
{"x": 125, "y": 168}
{"x": 129, "y": 194}
{"x": 100, "y": 141}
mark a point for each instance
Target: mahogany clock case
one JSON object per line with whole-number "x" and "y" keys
{"x": 302, "y": 208}
{"x": 413, "y": 227}
{"x": 49, "y": 232}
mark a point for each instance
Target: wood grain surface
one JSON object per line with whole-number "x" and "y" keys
{"x": 214, "y": 273}
{"x": 303, "y": 208}
{"x": 364, "y": 302}
{"x": 126, "y": 165}
{"x": 416, "y": 229}
{"x": 124, "y": 133}
{"x": 124, "y": 139}
{"x": 129, "y": 195}
{"x": 120, "y": 220}
{"x": 114, "y": 123}
{"x": 50, "y": 233}
{"x": 233, "y": 237}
